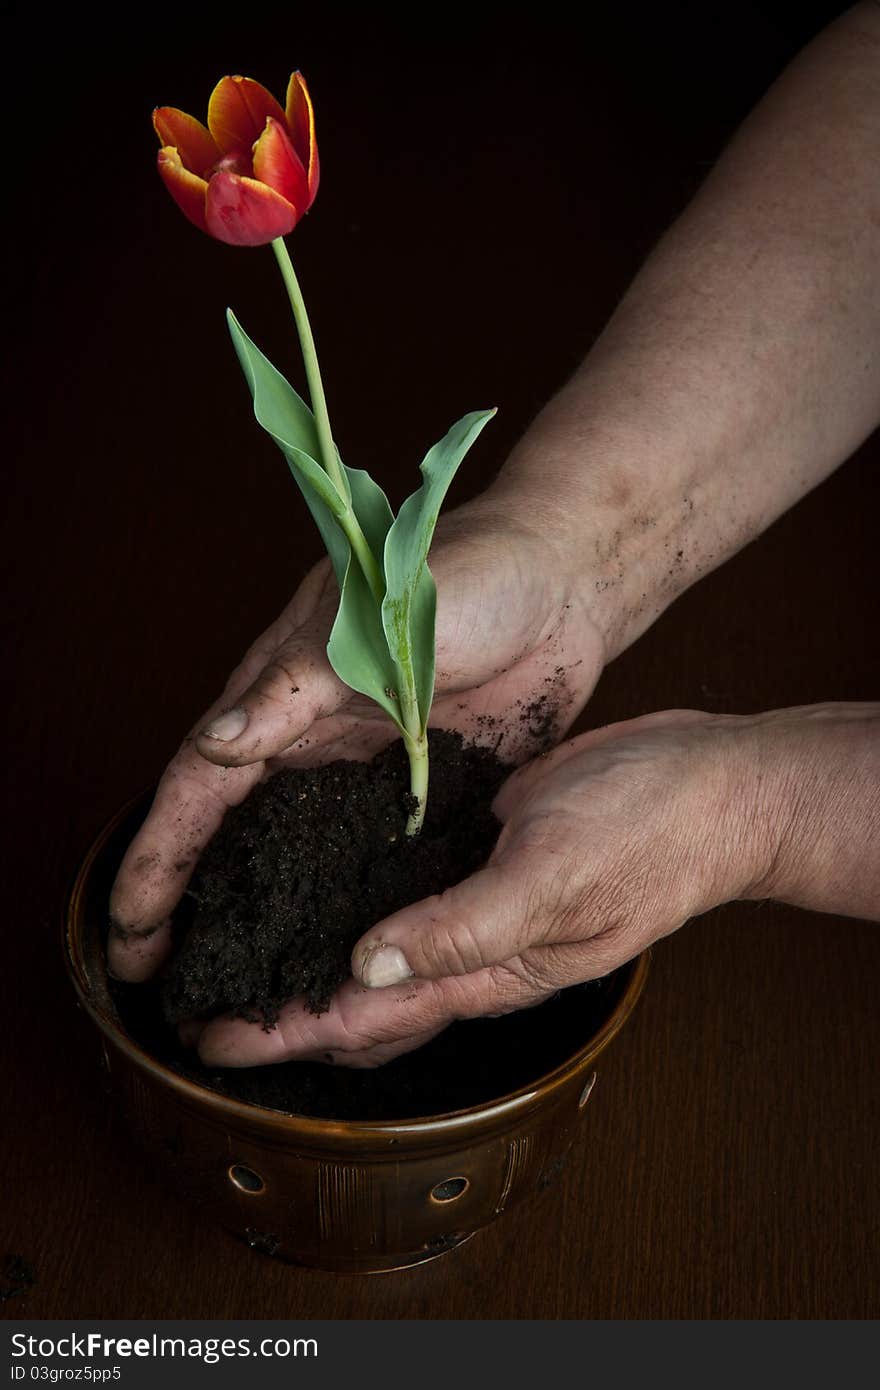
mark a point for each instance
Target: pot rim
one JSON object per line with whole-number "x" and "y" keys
{"x": 306, "y": 1127}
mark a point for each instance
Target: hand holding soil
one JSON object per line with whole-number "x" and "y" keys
{"x": 517, "y": 656}
{"x": 610, "y": 842}
{"x": 740, "y": 369}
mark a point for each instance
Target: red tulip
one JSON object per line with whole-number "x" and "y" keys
{"x": 252, "y": 172}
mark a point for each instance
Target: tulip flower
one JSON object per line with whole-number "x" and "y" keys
{"x": 249, "y": 175}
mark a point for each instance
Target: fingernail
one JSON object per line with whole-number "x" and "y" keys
{"x": 385, "y": 965}
{"x": 226, "y": 726}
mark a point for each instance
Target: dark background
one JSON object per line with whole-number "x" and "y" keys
{"x": 490, "y": 184}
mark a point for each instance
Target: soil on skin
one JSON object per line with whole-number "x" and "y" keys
{"x": 290, "y": 882}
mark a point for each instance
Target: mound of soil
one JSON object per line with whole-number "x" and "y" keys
{"x": 308, "y": 862}
{"x": 290, "y": 882}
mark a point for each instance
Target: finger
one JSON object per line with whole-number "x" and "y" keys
{"x": 135, "y": 957}
{"x": 190, "y": 803}
{"x": 376, "y": 1054}
{"x": 353, "y": 733}
{"x": 364, "y": 1027}
{"x": 483, "y": 921}
{"x": 296, "y": 687}
{"x": 352, "y": 1024}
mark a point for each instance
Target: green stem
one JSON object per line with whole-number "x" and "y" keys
{"x": 417, "y": 752}
{"x": 416, "y": 744}
{"x": 329, "y": 458}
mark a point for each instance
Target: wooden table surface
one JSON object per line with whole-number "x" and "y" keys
{"x": 486, "y": 198}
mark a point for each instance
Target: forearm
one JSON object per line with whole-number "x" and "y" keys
{"x": 743, "y": 365}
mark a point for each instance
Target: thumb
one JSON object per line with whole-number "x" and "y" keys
{"x": 484, "y": 920}
{"x": 296, "y": 686}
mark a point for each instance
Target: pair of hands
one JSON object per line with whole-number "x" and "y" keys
{"x": 614, "y": 839}
{"x": 608, "y": 843}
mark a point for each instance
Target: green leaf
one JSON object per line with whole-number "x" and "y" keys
{"x": 372, "y": 509}
{"x": 357, "y": 648}
{"x": 409, "y": 608}
{"x": 286, "y": 417}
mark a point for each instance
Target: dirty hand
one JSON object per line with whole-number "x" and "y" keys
{"x": 610, "y": 842}
{"x": 512, "y": 637}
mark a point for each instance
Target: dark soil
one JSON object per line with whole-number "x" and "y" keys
{"x": 290, "y": 882}
{"x": 312, "y": 858}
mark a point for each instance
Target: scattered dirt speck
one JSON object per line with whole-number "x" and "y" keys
{"x": 16, "y": 1277}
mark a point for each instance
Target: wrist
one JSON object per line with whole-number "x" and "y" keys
{"x": 727, "y": 820}
{"x": 814, "y": 774}
{"x": 618, "y": 494}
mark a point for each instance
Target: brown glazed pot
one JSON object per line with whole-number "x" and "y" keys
{"x": 345, "y": 1196}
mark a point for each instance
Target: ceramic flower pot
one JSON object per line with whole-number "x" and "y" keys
{"x": 352, "y": 1196}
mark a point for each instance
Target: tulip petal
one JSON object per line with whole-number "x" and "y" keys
{"x": 277, "y": 164}
{"x": 238, "y": 110}
{"x": 187, "y": 189}
{"x": 243, "y": 212}
{"x": 301, "y": 123}
{"x": 197, "y": 146}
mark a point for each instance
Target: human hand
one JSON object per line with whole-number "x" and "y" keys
{"x": 518, "y": 654}
{"x": 609, "y": 843}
